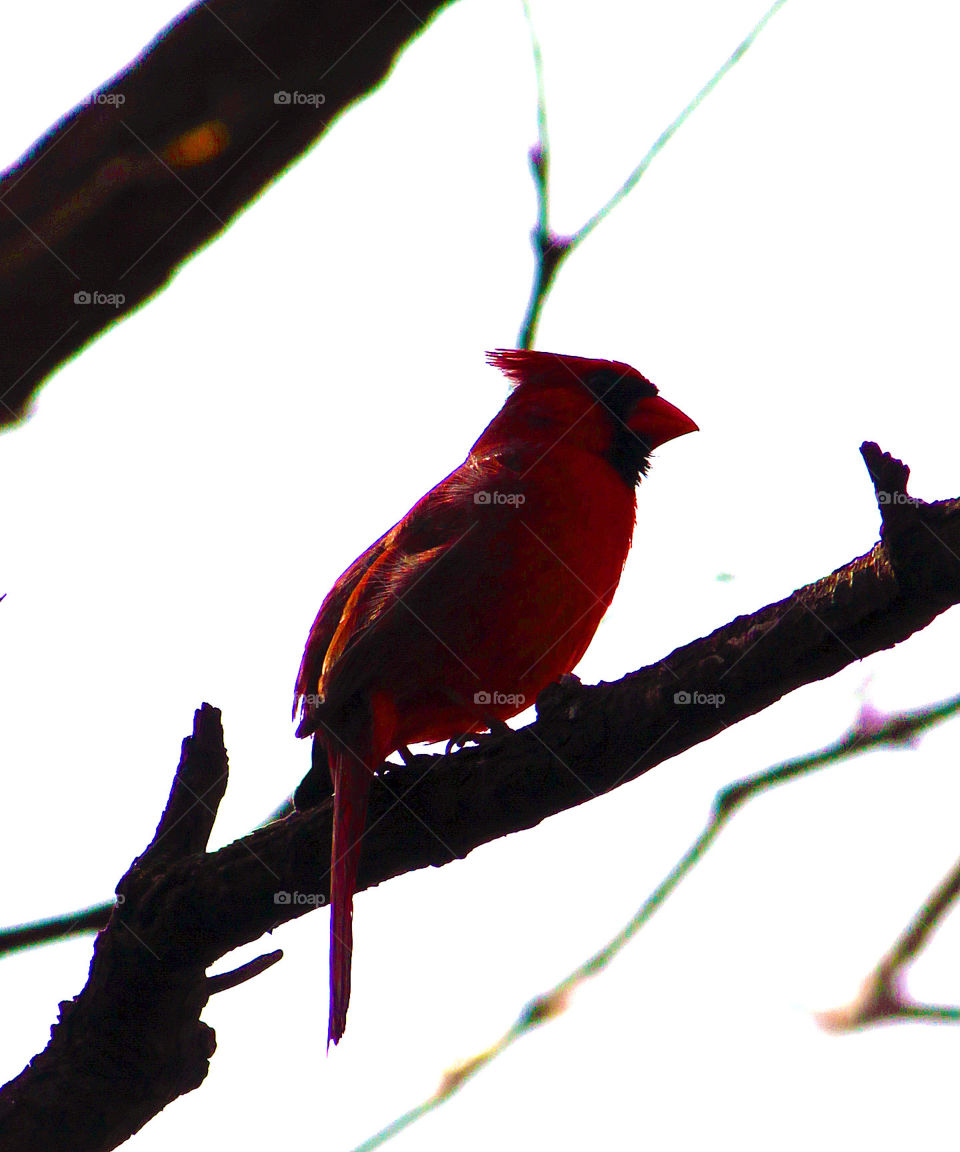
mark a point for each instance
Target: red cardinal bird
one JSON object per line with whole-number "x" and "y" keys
{"x": 490, "y": 588}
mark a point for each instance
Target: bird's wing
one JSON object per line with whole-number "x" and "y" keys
{"x": 389, "y": 568}
{"x": 431, "y": 532}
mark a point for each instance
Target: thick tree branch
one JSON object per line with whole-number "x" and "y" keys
{"x": 183, "y": 909}
{"x": 589, "y": 739}
{"x": 100, "y": 212}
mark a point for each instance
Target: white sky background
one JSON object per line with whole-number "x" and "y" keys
{"x": 190, "y": 486}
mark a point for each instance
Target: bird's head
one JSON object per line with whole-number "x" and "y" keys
{"x": 601, "y": 406}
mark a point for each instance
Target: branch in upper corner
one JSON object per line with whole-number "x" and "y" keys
{"x": 101, "y": 211}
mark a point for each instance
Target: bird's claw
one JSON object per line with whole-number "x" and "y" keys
{"x": 498, "y": 729}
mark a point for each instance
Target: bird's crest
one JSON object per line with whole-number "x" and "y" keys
{"x": 524, "y": 366}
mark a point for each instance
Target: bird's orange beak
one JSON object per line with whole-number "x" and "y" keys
{"x": 655, "y": 421}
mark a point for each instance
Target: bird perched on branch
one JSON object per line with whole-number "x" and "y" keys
{"x": 490, "y": 588}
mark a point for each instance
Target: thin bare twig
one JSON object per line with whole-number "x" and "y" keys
{"x": 883, "y": 996}
{"x": 225, "y": 980}
{"x": 551, "y": 248}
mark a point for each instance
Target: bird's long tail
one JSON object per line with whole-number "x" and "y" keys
{"x": 351, "y": 781}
